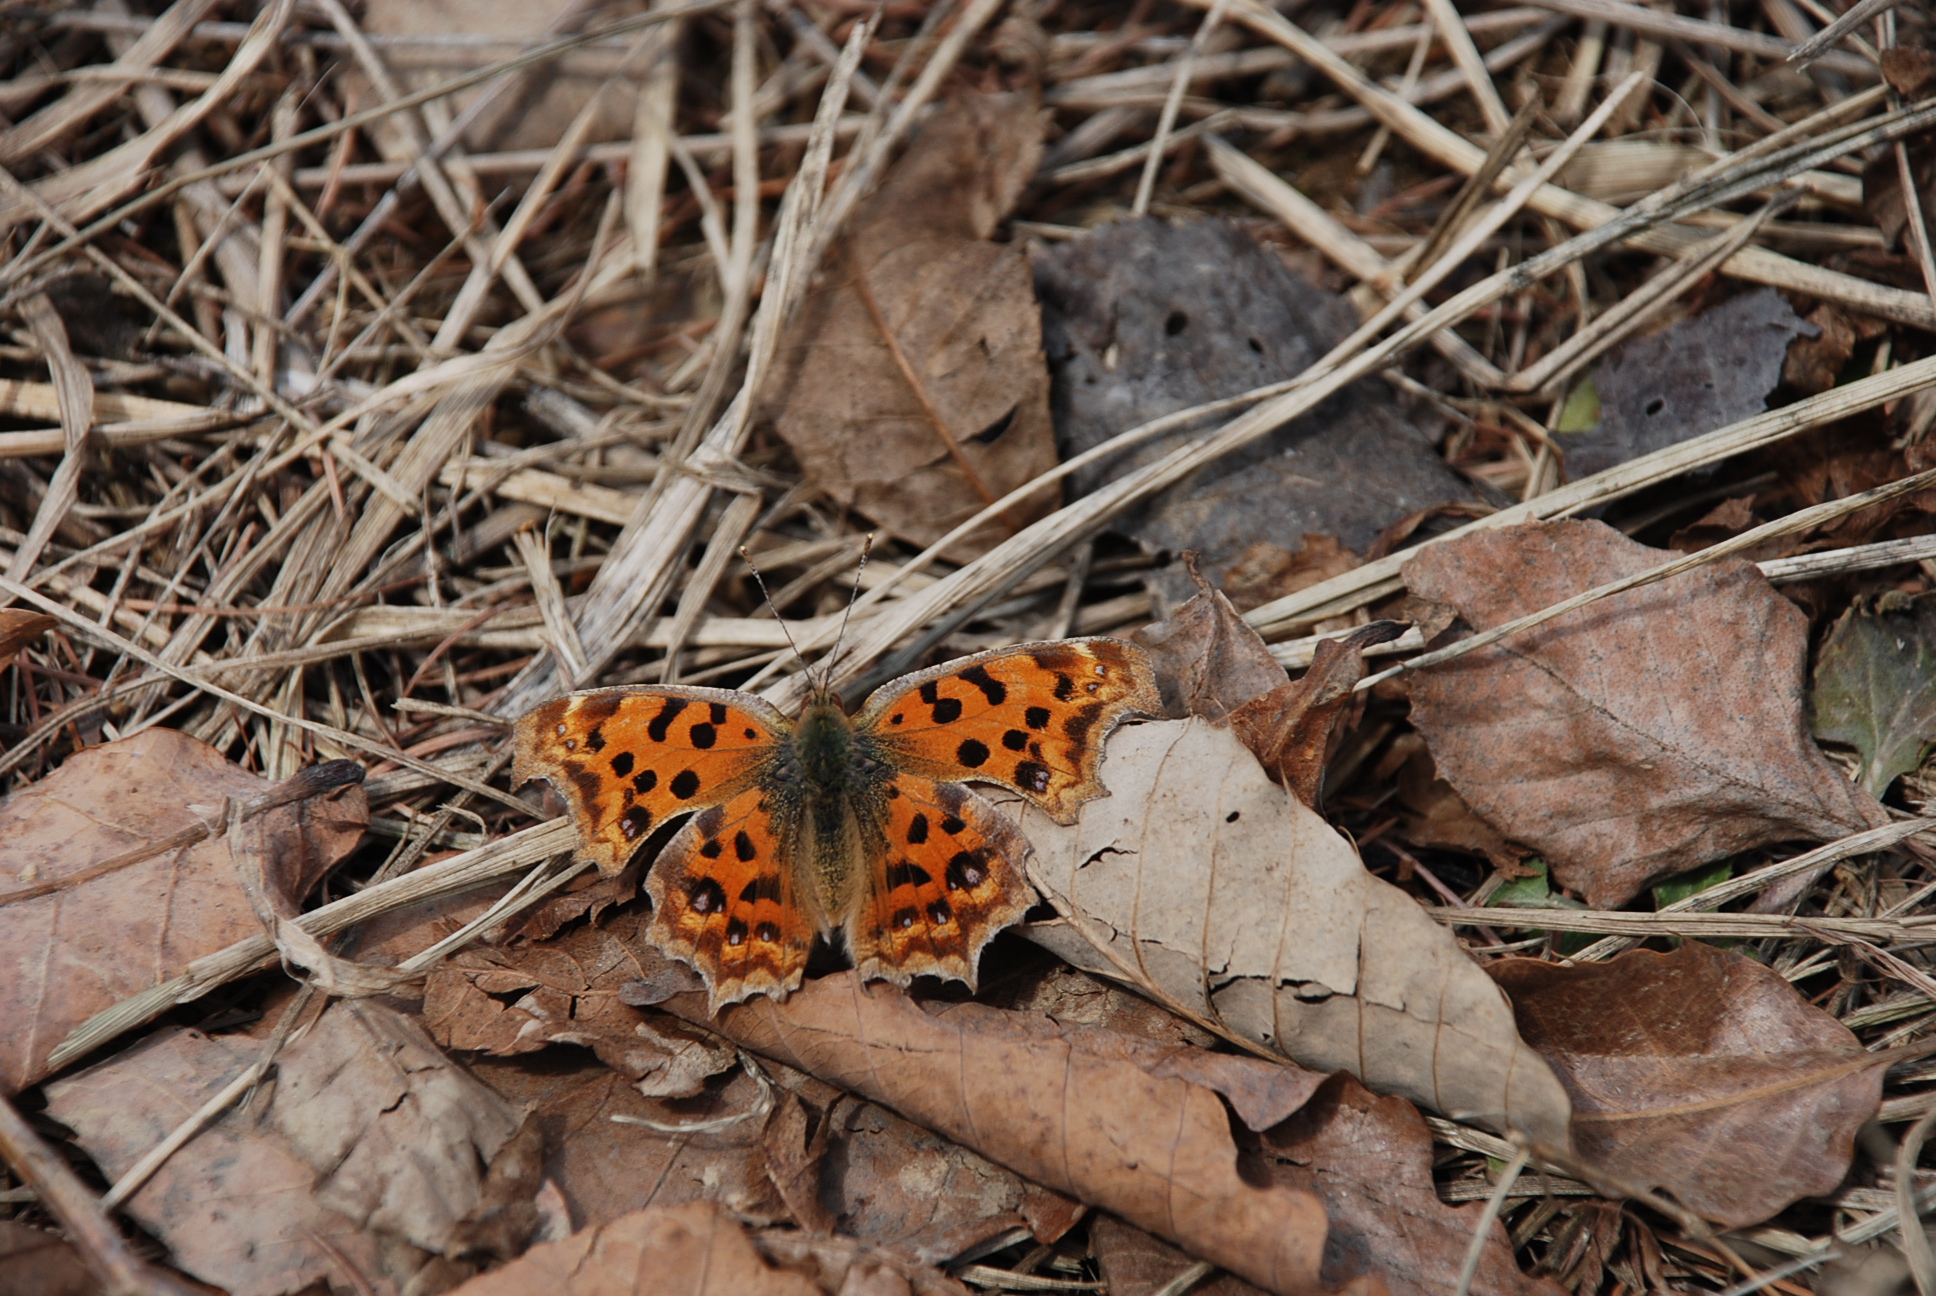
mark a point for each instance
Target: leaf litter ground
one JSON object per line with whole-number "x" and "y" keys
{"x": 347, "y": 418}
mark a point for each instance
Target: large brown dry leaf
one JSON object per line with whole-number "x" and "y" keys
{"x": 963, "y": 317}
{"x": 114, "y": 881}
{"x": 19, "y": 627}
{"x": 693, "y": 1249}
{"x": 1080, "y": 1115}
{"x": 1699, "y": 1072}
{"x": 1135, "y": 1264}
{"x": 1642, "y": 735}
{"x": 1370, "y": 1159}
{"x": 1201, "y": 880}
{"x": 608, "y": 1168}
{"x": 35, "y": 1263}
{"x": 509, "y": 1001}
{"x": 374, "y": 1146}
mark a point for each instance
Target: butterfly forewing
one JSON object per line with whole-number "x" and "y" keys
{"x": 950, "y": 878}
{"x": 628, "y": 759}
{"x": 1032, "y": 718}
{"x": 725, "y": 900}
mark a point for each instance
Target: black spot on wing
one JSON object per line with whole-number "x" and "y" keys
{"x": 743, "y": 846}
{"x": 662, "y": 722}
{"x": 646, "y": 781}
{"x": 965, "y": 871}
{"x": 718, "y": 710}
{"x": 704, "y": 736}
{"x": 1078, "y": 724}
{"x": 595, "y": 740}
{"x": 991, "y": 688}
{"x": 1015, "y": 740}
{"x": 705, "y": 896}
{"x": 634, "y": 822}
{"x": 684, "y": 785}
{"x": 930, "y": 692}
{"x": 768, "y": 932}
{"x": 1036, "y": 717}
{"x": 1031, "y": 777}
{"x": 947, "y": 711}
{"x": 917, "y": 830}
{"x": 940, "y": 914}
{"x": 904, "y": 873}
{"x": 735, "y": 932}
{"x": 953, "y": 826}
{"x": 764, "y": 887}
{"x": 622, "y": 764}
{"x": 712, "y": 848}
{"x": 905, "y": 918}
{"x": 1065, "y": 688}
{"x": 973, "y": 753}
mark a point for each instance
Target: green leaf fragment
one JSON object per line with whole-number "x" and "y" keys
{"x": 1693, "y": 882}
{"x": 1582, "y": 408}
{"x": 1875, "y": 687}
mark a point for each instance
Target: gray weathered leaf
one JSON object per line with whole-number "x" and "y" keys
{"x": 1875, "y": 687}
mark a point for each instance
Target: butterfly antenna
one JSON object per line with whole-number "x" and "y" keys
{"x": 866, "y": 547}
{"x": 767, "y": 594}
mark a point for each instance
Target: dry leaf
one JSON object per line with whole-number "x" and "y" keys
{"x": 606, "y": 1169}
{"x": 694, "y": 1249}
{"x": 120, "y": 874}
{"x": 1641, "y": 736}
{"x": 1702, "y": 373}
{"x": 1435, "y": 815}
{"x": 1204, "y": 883}
{"x": 950, "y": 312}
{"x": 1156, "y": 1150}
{"x": 1135, "y": 1264}
{"x": 1294, "y": 728}
{"x": 19, "y": 627}
{"x": 1207, "y": 661}
{"x": 1699, "y": 1072}
{"x": 1264, "y": 572}
{"x": 1142, "y": 319}
{"x": 1875, "y": 687}
{"x": 34, "y": 1263}
{"x": 371, "y": 1139}
{"x": 1370, "y": 1159}
{"x": 566, "y": 991}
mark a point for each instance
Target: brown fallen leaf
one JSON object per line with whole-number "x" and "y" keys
{"x": 1294, "y": 729}
{"x": 1156, "y": 1150}
{"x": 1207, "y": 661}
{"x": 1265, "y": 572}
{"x": 567, "y": 992}
{"x": 1370, "y": 1159}
{"x": 912, "y": 385}
{"x": 374, "y": 1150}
{"x": 1135, "y": 1264}
{"x": 1699, "y": 1072}
{"x": 1640, "y": 736}
{"x": 1435, "y": 815}
{"x": 608, "y": 1168}
{"x": 1204, "y": 884}
{"x": 119, "y": 873}
{"x": 695, "y": 1249}
{"x": 19, "y": 627}
{"x": 36, "y": 1263}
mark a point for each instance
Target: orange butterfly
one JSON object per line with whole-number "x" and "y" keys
{"x": 828, "y": 823}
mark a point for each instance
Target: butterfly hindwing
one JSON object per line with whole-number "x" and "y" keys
{"x": 628, "y": 759}
{"x": 1032, "y": 718}
{"x": 724, "y": 900}
{"x": 950, "y": 878}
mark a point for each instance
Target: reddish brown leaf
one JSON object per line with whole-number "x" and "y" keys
{"x": 1265, "y": 572}
{"x": 1643, "y": 735}
{"x": 694, "y": 1249}
{"x": 567, "y": 993}
{"x": 34, "y": 1263}
{"x": 1155, "y": 1150}
{"x": 1135, "y": 1264}
{"x": 119, "y": 873}
{"x": 1207, "y": 661}
{"x": 1294, "y": 728}
{"x": 1435, "y": 815}
{"x": 922, "y": 320}
{"x": 19, "y": 627}
{"x": 1699, "y": 1072}
{"x": 1370, "y": 1159}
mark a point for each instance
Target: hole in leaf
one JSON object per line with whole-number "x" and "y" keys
{"x": 1176, "y": 323}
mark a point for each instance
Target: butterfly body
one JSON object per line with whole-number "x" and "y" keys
{"x": 826, "y": 823}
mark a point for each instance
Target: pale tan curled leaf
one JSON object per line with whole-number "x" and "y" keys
{"x": 911, "y": 384}
{"x": 1208, "y": 886}
{"x": 1702, "y": 1073}
{"x": 371, "y": 1138}
{"x": 1642, "y": 735}
{"x": 118, "y": 874}
{"x": 1086, "y": 1120}
{"x": 695, "y": 1249}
